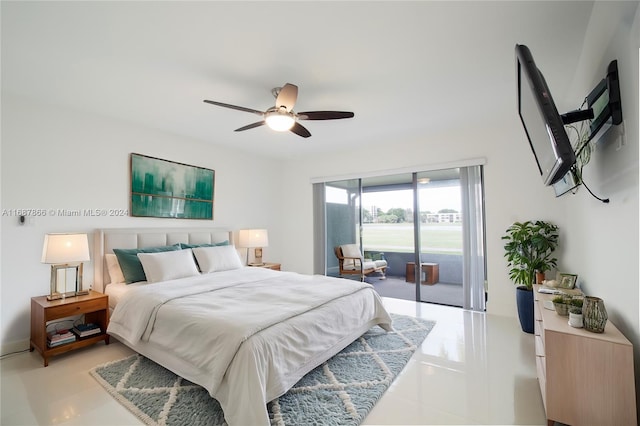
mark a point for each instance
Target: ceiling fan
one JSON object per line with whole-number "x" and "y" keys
{"x": 281, "y": 117}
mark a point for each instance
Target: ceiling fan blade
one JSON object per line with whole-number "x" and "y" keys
{"x": 250, "y": 126}
{"x": 287, "y": 96}
{"x": 324, "y": 115}
{"x": 300, "y": 130}
{"x": 239, "y": 108}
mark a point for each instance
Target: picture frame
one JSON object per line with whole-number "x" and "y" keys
{"x": 567, "y": 281}
{"x": 167, "y": 189}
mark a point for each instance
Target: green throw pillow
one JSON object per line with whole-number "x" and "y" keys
{"x": 188, "y": 246}
{"x": 130, "y": 264}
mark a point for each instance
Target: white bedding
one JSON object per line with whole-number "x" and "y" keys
{"x": 214, "y": 330}
{"x": 115, "y": 291}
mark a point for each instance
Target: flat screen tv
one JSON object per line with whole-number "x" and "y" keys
{"x": 542, "y": 123}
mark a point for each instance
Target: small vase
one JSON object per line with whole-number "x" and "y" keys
{"x": 575, "y": 320}
{"x": 562, "y": 309}
{"x": 594, "y": 314}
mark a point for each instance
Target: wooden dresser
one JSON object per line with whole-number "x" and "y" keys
{"x": 585, "y": 378}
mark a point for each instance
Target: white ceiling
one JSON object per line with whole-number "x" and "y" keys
{"x": 407, "y": 70}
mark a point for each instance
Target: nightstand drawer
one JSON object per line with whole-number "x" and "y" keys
{"x": 76, "y": 308}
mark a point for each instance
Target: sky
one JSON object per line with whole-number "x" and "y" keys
{"x": 431, "y": 199}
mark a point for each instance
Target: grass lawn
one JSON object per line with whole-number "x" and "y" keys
{"x": 443, "y": 238}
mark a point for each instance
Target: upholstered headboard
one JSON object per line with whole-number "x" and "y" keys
{"x": 105, "y": 240}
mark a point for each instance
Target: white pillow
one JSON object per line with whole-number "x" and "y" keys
{"x": 168, "y": 265}
{"x": 214, "y": 259}
{"x": 115, "y": 273}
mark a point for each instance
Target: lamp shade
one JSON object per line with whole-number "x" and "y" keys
{"x": 253, "y": 238}
{"x": 65, "y": 248}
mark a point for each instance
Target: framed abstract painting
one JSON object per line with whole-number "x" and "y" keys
{"x": 163, "y": 188}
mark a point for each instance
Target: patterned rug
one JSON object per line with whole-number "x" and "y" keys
{"x": 341, "y": 391}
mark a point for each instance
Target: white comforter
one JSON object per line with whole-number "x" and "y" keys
{"x": 246, "y": 335}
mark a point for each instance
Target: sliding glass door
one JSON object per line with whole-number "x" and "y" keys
{"x": 441, "y": 236}
{"x": 433, "y": 219}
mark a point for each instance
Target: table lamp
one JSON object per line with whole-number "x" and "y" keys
{"x": 63, "y": 252}
{"x": 254, "y": 238}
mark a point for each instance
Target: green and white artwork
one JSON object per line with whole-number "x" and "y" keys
{"x": 162, "y": 188}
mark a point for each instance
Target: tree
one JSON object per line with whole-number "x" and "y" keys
{"x": 398, "y": 213}
{"x": 388, "y": 218}
{"x": 367, "y": 217}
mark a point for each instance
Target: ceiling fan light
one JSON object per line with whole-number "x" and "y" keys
{"x": 280, "y": 122}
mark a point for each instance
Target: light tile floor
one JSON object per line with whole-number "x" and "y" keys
{"x": 473, "y": 368}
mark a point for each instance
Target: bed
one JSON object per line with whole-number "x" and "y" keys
{"x": 245, "y": 334}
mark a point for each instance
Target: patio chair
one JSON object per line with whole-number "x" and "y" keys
{"x": 352, "y": 262}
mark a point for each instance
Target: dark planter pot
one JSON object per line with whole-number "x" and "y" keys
{"x": 524, "y": 301}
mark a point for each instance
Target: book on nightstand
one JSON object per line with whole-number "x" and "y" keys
{"x": 60, "y": 337}
{"x": 84, "y": 330}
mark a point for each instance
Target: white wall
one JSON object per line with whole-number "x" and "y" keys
{"x": 601, "y": 243}
{"x": 54, "y": 158}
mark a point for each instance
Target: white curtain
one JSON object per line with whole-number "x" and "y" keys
{"x": 319, "y": 230}
{"x": 473, "y": 274}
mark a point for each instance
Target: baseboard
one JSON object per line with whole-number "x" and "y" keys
{"x": 11, "y": 347}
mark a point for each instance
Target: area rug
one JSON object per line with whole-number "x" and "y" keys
{"x": 341, "y": 391}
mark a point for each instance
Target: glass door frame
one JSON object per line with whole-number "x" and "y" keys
{"x": 475, "y": 193}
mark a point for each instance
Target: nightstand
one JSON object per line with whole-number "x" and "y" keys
{"x": 268, "y": 265}
{"x": 94, "y": 306}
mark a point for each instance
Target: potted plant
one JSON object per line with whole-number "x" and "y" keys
{"x": 529, "y": 246}
{"x": 576, "y": 304}
{"x": 561, "y": 305}
{"x": 575, "y": 313}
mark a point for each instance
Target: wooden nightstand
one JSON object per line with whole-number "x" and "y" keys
{"x": 94, "y": 306}
{"x": 268, "y": 265}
